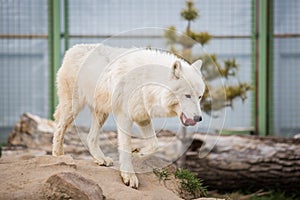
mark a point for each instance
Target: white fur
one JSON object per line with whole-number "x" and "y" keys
{"x": 135, "y": 84}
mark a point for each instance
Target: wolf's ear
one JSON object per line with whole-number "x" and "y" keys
{"x": 197, "y": 64}
{"x": 176, "y": 69}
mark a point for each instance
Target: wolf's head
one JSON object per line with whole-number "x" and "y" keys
{"x": 187, "y": 89}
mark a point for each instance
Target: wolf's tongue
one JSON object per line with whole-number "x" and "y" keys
{"x": 184, "y": 118}
{"x": 187, "y": 121}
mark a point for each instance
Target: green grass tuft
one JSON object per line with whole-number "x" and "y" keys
{"x": 162, "y": 174}
{"x": 190, "y": 183}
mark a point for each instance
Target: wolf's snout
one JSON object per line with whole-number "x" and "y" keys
{"x": 197, "y": 118}
{"x": 187, "y": 121}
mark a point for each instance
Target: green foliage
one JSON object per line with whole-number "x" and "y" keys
{"x": 2, "y": 144}
{"x": 190, "y": 13}
{"x": 186, "y": 41}
{"x": 190, "y": 183}
{"x": 170, "y": 35}
{"x": 213, "y": 69}
{"x": 190, "y": 186}
{"x": 201, "y": 37}
{"x": 162, "y": 174}
{"x": 235, "y": 91}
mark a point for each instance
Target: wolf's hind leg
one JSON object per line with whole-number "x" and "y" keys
{"x": 64, "y": 116}
{"x": 93, "y": 140}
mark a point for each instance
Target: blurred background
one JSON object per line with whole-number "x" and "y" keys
{"x": 262, "y": 36}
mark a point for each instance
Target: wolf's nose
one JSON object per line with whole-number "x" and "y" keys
{"x": 197, "y": 118}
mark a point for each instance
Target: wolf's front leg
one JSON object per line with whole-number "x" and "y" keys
{"x": 148, "y": 134}
{"x": 125, "y": 156}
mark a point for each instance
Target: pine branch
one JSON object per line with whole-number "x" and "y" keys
{"x": 220, "y": 96}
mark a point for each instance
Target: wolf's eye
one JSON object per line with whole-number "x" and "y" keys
{"x": 188, "y": 96}
{"x": 200, "y": 97}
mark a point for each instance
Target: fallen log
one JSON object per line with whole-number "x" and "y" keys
{"x": 234, "y": 162}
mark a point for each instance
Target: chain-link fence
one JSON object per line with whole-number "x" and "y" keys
{"x": 23, "y": 60}
{"x": 286, "y": 60}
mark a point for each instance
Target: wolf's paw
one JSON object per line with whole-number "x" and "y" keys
{"x": 106, "y": 161}
{"x": 130, "y": 179}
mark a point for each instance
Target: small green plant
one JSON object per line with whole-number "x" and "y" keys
{"x": 2, "y": 144}
{"x": 162, "y": 174}
{"x": 190, "y": 183}
{"x": 190, "y": 186}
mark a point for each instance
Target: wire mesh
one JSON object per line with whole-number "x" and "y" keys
{"x": 24, "y": 49}
{"x": 286, "y": 83}
{"x": 23, "y": 59}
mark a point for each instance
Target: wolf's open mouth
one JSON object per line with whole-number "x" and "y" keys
{"x": 187, "y": 121}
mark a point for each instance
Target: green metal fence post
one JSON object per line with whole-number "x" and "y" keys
{"x": 66, "y": 24}
{"x": 54, "y": 51}
{"x": 254, "y": 60}
{"x": 264, "y": 65}
{"x": 270, "y": 114}
{"x": 262, "y": 73}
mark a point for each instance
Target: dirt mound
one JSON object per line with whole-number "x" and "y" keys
{"x": 39, "y": 177}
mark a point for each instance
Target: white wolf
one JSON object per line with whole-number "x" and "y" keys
{"x": 136, "y": 85}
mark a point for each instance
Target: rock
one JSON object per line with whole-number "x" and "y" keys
{"x": 70, "y": 185}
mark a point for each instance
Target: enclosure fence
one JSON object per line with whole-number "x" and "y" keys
{"x": 263, "y": 36}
